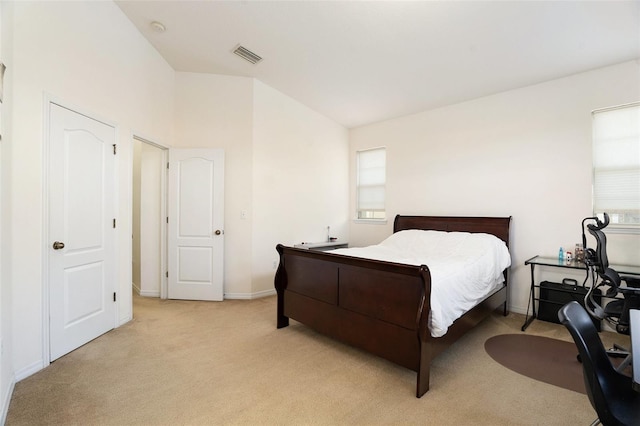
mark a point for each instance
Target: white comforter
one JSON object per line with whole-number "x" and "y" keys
{"x": 465, "y": 268}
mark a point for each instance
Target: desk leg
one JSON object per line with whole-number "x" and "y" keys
{"x": 532, "y": 302}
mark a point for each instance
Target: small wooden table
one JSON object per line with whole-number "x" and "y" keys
{"x": 323, "y": 246}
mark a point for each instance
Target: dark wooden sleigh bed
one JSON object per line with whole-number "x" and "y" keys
{"x": 380, "y": 307}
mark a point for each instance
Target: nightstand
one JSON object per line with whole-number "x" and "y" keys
{"x": 323, "y": 246}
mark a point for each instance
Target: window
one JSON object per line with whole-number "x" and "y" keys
{"x": 616, "y": 164}
{"x": 371, "y": 177}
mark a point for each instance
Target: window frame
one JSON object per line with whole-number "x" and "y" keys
{"x": 616, "y": 228}
{"x": 358, "y": 186}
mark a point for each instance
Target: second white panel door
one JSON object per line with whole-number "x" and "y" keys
{"x": 196, "y": 224}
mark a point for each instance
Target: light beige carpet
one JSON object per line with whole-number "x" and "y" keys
{"x": 201, "y": 363}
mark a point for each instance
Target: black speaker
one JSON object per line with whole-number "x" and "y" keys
{"x": 553, "y": 296}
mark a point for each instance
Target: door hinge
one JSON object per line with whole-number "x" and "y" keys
{"x": 167, "y": 274}
{"x": 114, "y": 296}
{"x": 167, "y": 219}
{"x": 114, "y": 223}
{"x": 114, "y": 149}
{"x": 167, "y": 164}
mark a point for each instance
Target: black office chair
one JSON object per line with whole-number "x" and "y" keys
{"x": 615, "y": 312}
{"x": 610, "y": 392}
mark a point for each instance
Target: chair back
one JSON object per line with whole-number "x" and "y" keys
{"x": 601, "y": 261}
{"x": 603, "y": 383}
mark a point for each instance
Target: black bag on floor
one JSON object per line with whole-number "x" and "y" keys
{"x": 553, "y": 296}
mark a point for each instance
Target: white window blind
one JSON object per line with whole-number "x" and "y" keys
{"x": 616, "y": 163}
{"x": 371, "y": 178}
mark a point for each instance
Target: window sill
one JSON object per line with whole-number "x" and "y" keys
{"x": 371, "y": 221}
{"x": 622, "y": 229}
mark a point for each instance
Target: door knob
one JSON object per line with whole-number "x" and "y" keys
{"x": 58, "y": 245}
{"x": 218, "y": 232}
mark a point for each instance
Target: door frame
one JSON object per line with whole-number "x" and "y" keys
{"x": 49, "y": 100}
{"x": 163, "y": 208}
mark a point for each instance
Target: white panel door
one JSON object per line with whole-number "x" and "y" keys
{"x": 81, "y": 196}
{"x": 196, "y": 224}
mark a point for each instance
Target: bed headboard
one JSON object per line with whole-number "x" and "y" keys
{"x": 498, "y": 226}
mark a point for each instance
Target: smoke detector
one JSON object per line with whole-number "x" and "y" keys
{"x": 158, "y": 27}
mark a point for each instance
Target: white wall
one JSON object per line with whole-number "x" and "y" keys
{"x": 90, "y": 55}
{"x": 525, "y": 153}
{"x": 274, "y": 148}
{"x": 300, "y": 171}
{"x": 215, "y": 111}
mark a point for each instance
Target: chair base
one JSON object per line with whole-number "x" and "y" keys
{"x": 620, "y": 352}
{"x": 616, "y": 352}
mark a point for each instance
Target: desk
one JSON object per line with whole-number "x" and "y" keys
{"x": 554, "y": 262}
{"x": 634, "y": 326}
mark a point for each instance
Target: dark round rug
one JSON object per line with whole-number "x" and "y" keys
{"x": 548, "y": 360}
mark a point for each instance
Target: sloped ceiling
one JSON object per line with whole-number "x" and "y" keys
{"x": 359, "y": 62}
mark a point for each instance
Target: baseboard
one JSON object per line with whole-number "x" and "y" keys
{"x": 518, "y": 310}
{"x": 124, "y": 320}
{"x": 248, "y": 296}
{"x": 23, "y": 373}
{"x": 149, "y": 293}
{"x": 6, "y": 401}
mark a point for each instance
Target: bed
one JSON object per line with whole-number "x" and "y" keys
{"x": 380, "y": 306}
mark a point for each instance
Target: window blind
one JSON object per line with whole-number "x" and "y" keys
{"x": 616, "y": 163}
{"x": 371, "y": 179}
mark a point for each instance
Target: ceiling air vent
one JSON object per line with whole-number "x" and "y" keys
{"x": 247, "y": 54}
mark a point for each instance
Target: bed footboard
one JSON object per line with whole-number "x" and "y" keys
{"x": 380, "y": 307}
